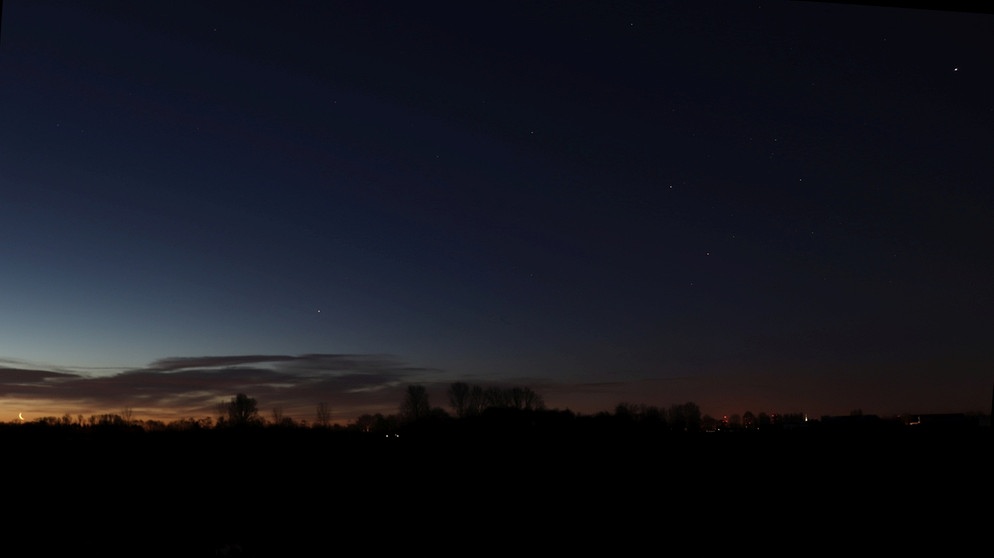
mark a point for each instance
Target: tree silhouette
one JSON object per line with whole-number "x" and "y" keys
{"x": 467, "y": 400}
{"x": 626, "y": 412}
{"x": 477, "y": 401}
{"x": 525, "y": 398}
{"x": 377, "y": 423}
{"x": 496, "y": 398}
{"x": 415, "y": 405}
{"x": 459, "y": 398}
{"x": 685, "y": 417}
{"x": 242, "y": 410}
{"x": 323, "y": 416}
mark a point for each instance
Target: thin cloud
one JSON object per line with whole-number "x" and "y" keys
{"x": 179, "y": 387}
{"x": 22, "y": 382}
{"x": 181, "y": 363}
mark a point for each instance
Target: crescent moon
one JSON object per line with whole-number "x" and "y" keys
{"x": 20, "y": 416}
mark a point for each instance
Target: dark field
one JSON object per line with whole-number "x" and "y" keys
{"x": 270, "y": 492}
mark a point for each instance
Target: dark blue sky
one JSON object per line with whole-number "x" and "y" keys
{"x": 769, "y": 206}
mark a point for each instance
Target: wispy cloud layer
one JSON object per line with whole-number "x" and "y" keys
{"x": 194, "y": 386}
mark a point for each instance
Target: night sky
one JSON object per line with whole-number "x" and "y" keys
{"x": 766, "y": 206}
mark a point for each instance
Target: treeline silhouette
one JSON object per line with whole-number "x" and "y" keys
{"x": 500, "y": 466}
{"x": 489, "y": 411}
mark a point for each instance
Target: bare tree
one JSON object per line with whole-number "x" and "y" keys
{"x": 477, "y": 401}
{"x": 277, "y": 415}
{"x": 516, "y": 398}
{"x": 415, "y": 405}
{"x": 469, "y": 400}
{"x": 496, "y": 397}
{"x": 323, "y": 415}
{"x": 242, "y": 410}
{"x": 525, "y": 398}
{"x": 627, "y": 412}
{"x": 459, "y": 398}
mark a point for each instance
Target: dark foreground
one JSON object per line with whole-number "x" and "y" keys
{"x": 313, "y": 493}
